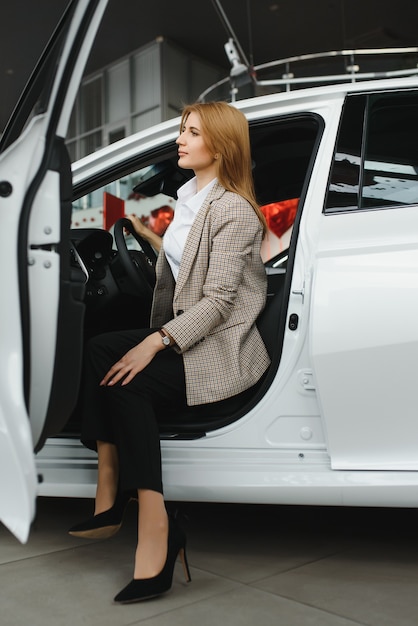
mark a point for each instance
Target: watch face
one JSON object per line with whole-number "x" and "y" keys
{"x": 166, "y": 341}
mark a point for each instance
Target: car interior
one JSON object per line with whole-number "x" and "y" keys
{"x": 118, "y": 273}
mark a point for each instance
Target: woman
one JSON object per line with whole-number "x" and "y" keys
{"x": 203, "y": 345}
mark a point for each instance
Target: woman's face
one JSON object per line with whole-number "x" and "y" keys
{"x": 193, "y": 152}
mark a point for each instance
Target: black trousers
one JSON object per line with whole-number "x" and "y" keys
{"x": 127, "y": 415}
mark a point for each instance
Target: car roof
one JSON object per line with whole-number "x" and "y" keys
{"x": 252, "y": 107}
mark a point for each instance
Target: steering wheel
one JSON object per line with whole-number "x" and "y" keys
{"x": 139, "y": 265}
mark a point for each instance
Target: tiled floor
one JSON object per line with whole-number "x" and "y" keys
{"x": 250, "y": 565}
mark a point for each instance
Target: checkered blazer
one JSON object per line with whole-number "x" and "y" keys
{"x": 220, "y": 291}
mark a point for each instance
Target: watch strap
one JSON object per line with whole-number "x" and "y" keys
{"x": 164, "y": 338}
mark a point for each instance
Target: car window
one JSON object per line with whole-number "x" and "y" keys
{"x": 376, "y": 159}
{"x": 282, "y": 152}
{"x": 390, "y": 173}
{"x": 137, "y": 193}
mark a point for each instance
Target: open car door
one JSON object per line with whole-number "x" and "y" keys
{"x": 42, "y": 304}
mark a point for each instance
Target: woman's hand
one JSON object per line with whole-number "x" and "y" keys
{"x": 133, "y": 361}
{"x": 145, "y": 232}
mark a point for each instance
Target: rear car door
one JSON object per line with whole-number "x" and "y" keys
{"x": 42, "y": 304}
{"x": 364, "y": 321}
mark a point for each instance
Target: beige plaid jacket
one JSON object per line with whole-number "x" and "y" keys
{"x": 220, "y": 291}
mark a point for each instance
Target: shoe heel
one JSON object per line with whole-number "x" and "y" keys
{"x": 185, "y": 564}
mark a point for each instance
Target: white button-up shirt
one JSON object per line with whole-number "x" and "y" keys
{"x": 187, "y": 207}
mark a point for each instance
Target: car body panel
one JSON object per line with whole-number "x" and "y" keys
{"x": 365, "y": 338}
{"x": 335, "y": 421}
{"x": 286, "y": 449}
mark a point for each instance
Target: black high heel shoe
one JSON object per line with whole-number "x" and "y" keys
{"x": 146, "y": 588}
{"x": 106, "y": 524}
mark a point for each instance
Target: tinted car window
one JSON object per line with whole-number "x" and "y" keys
{"x": 390, "y": 174}
{"x": 376, "y": 160}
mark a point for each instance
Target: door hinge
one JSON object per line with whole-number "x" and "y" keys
{"x": 300, "y": 292}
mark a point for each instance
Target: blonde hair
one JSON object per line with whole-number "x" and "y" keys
{"x": 225, "y": 132}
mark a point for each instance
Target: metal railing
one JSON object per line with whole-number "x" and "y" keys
{"x": 302, "y": 70}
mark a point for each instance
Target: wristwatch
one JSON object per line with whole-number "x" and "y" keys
{"x": 164, "y": 338}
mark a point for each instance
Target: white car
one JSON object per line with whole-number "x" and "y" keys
{"x": 335, "y": 420}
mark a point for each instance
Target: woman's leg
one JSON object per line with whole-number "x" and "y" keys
{"x": 130, "y": 413}
{"x": 160, "y": 542}
{"x": 97, "y": 417}
{"x": 151, "y": 551}
{"x": 133, "y": 410}
{"x": 109, "y": 503}
{"x": 107, "y": 476}
{"x": 121, "y": 421}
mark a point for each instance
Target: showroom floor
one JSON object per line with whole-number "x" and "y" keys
{"x": 250, "y": 565}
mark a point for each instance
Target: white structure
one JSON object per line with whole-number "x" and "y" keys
{"x": 148, "y": 86}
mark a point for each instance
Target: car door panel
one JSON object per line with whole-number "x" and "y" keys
{"x": 365, "y": 343}
{"x": 41, "y": 327}
{"x": 364, "y": 331}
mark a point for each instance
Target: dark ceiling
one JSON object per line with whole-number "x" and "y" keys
{"x": 265, "y": 29}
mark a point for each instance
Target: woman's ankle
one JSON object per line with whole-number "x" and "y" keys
{"x": 153, "y": 529}
{"x": 107, "y": 477}
{"x": 151, "y": 552}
